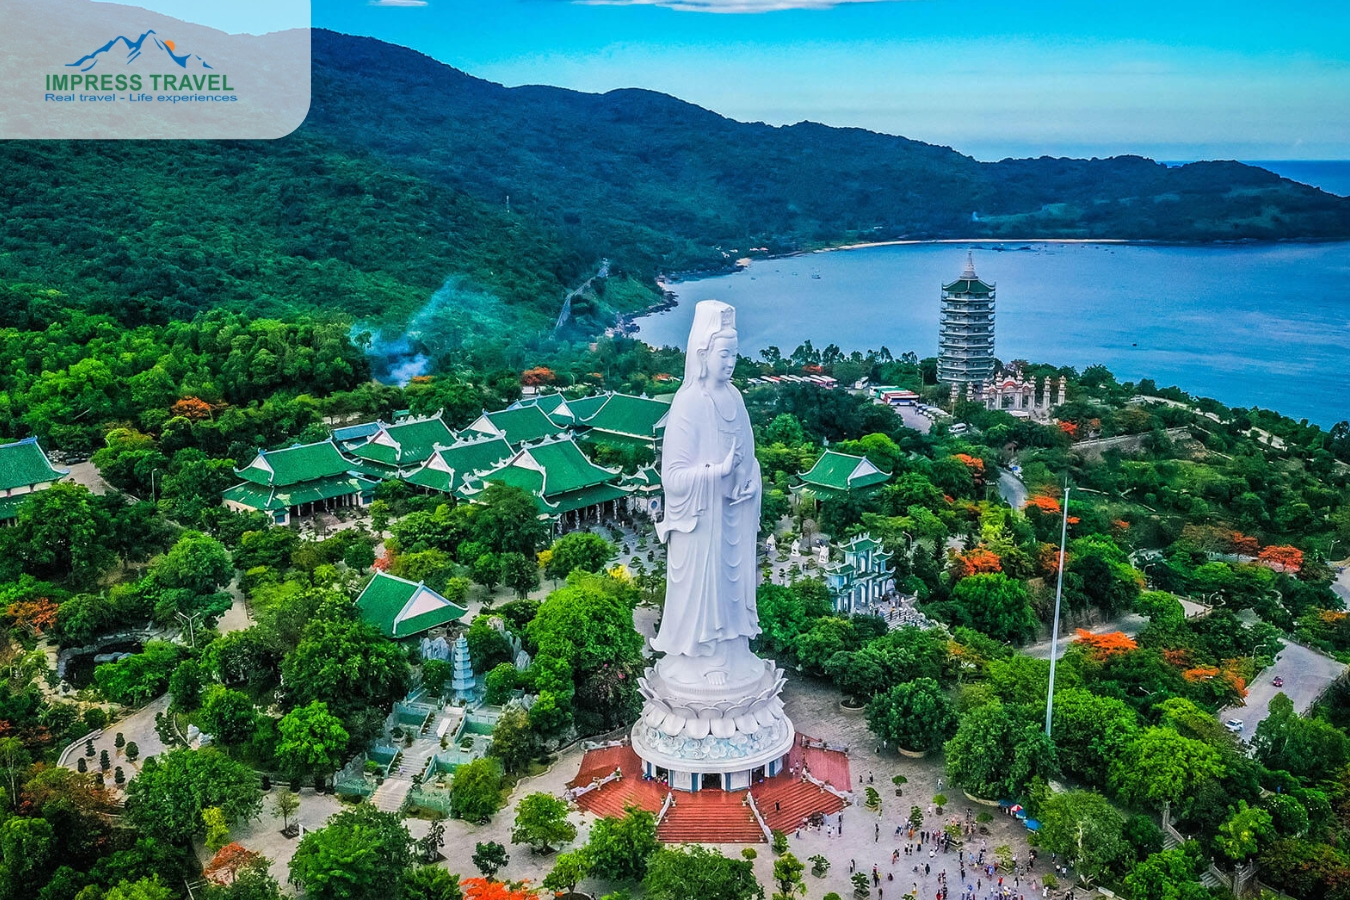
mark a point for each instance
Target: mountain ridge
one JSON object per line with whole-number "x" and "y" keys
{"x": 705, "y": 181}
{"x": 410, "y": 177}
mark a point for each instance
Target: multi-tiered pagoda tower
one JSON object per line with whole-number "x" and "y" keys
{"x": 966, "y": 329}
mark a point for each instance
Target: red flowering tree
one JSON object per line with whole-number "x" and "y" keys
{"x": 537, "y": 376}
{"x": 192, "y": 408}
{"x": 486, "y": 889}
{"x": 974, "y": 562}
{"x": 33, "y": 616}
{"x": 1044, "y": 503}
{"x": 232, "y": 859}
{"x": 1283, "y": 558}
{"x": 1103, "y": 645}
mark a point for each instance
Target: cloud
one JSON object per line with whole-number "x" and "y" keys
{"x": 398, "y": 2}
{"x": 729, "y": 6}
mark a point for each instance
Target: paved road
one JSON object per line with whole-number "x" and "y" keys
{"x": 910, "y": 416}
{"x": 86, "y": 473}
{"x": 1306, "y": 674}
{"x": 1012, "y": 489}
{"x": 1342, "y": 584}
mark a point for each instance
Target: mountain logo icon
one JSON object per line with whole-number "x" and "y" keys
{"x": 146, "y": 43}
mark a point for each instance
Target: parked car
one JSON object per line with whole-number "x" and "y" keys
{"x": 1278, "y": 681}
{"x": 1233, "y": 725}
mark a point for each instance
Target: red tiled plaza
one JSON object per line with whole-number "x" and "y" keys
{"x": 711, "y": 816}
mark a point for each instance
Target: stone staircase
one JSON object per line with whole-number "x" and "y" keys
{"x": 785, "y": 805}
{"x": 390, "y": 796}
{"x": 711, "y": 817}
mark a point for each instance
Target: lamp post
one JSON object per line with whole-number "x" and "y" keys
{"x": 1054, "y": 628}
{"x": 153, "y": 473}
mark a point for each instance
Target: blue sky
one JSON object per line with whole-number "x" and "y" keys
{"x": 1171, "y": 80}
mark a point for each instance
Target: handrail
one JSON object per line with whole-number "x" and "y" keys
{"x": 846, "y": 796}
{"x": 665, "y": 806}
{"x": 574, "y": 793}
{"x": 754, "y": 809}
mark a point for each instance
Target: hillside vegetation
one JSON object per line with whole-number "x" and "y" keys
{"x": 399, "y": 182}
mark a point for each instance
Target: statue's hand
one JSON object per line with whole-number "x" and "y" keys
{"x": 743, "y": 492}
{"x": 725, "y": 466}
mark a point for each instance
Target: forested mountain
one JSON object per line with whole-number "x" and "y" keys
{"x": 400, "y": 179}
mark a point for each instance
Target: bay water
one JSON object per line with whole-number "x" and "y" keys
{"x": 1250, "y": 325}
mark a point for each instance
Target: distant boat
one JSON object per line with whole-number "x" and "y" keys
{"x": 815, "y": 275}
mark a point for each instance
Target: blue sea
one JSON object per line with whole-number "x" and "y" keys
{"x": 1260, "y": 325}
{"x": 1331, "y": 175}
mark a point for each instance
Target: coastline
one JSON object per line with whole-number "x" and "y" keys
{"x": 625, "y": 324}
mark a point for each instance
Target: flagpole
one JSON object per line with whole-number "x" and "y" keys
{"x": 1059, "y": 593}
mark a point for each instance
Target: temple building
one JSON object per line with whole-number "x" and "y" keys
{"x": 1016, "y": 395}
{"x": 450, "y": 468}
{"x": 400, "y": 608}
{"x": 393, "y": 449}
{"x": 623, "y": 419}
{"x": 518, "y": 425}
{"x": 862, "y": 579}
{"x": 966, "y": 329}
{"x": 24, "y": 468}
{"x": 838, "y": 475}
{"x": 299, "y": 481}
{"x": 568, "y": 487}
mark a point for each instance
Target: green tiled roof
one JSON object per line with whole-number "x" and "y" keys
{"x": 402, "y": 608}
{"x": 843, "y": 472}
{"x": 585, "y": 407}
{"x": 558, "y": 474}
{"x": 588, "y": 496}
{"x": 565, "y": 467}
{"x": 448, "y": 469}
{"x": 556, "y": 405}
{"x": 862, "y": 543}
{"x": 644, "y": 479}
{"x": 23, "y": 463}
{"x": 267, "y": 499}
{"x": 629, "y": 416}
{"x": 294, "y": 465}
{"x": 968, "y": 286}
{"x": 355, "y": 432}
{"x": 519, "y": 426}
{"x": 406, "y": 443}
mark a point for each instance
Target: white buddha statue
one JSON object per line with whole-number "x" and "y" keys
{"x": 712, "y": 488}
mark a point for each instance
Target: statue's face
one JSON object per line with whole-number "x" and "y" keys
{"x": 722, "y": 358}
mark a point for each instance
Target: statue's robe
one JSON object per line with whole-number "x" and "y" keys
{"x": 710, "y": 582}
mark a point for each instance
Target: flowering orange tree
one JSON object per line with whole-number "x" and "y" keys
{"x": 384, "y": 562}
{"x": 1284, "y": 558}
{"x": 1045, "y": 503}
{"x": 34, "y": 616}
{"x": 486, "y": 889}
{"x": 974, "y": 562}
{"x": 1047, "y": 559}
{"x": 1103, "y": 645}
{"x": 192, "y": 408}
{"x": 226, "y": 865}
{"x": 537, "y": 376}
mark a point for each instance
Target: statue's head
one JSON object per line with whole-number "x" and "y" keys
{"x": 713, "y": 345}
